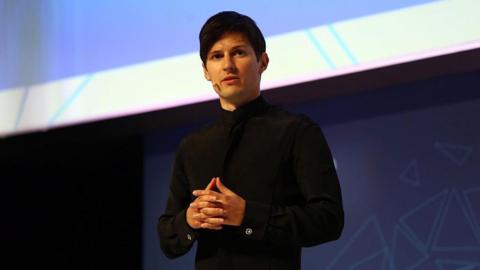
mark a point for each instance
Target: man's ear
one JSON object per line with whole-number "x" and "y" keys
{"x": 264, "y": 62}
{"x": 205, "y": 73}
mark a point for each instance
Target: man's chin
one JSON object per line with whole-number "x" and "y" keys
{"x": 230, "y": 93}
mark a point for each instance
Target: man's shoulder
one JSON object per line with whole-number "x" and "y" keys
{"x": 201, "y": 134}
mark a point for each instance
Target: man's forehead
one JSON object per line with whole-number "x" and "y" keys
{"x": 230, "y": 40}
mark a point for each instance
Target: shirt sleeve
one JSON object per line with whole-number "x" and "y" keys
{"x": 176, "y": 236}
{"x": 320, "y": 218}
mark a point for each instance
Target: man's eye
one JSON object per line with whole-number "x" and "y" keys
{"x": 239, "y": 52}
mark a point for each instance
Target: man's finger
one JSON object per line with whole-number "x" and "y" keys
{"x": 197, "y": 223}
{"x": 214, "y": 221}
{"x": 222, "y": 188}
{"x": 211, "y": 185}
{"x": 200, "y": 216}
{"x": 200, "y": 192}
{"x": 210, "y": 226}
{"x": 211, "y": 199}
{"x": 203, "y": 204}
{"x": 212, "y": 211}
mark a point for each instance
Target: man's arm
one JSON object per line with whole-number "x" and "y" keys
{"x": 176, "y": 236}
{"x": 320, "y": 219}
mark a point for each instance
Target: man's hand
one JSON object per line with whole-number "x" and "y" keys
{"x": 218, "y": 208}
{"x": 194, "y": 217}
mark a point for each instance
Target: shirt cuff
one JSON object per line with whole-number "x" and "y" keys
{"x": 255, "y": 220}
{"x": 187, "y": 235}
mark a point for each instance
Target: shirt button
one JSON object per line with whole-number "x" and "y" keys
{"x": 248, "y": 231}
{"x": 189, "y": 237}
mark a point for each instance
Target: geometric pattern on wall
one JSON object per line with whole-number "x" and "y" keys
{"x": 456, "y": 229}
{"x": 406, "y": 254}
{"x": 472, "y": 199}
{"x": 456, "y": 265}
{"x": 375, "y": 261}
{"x": 421, "y": 221}
{"x": 410, "y": 174}
{"x": 366, "y": 248}
{"x": 432, "y": 231}
{"x": 458, "y": 154}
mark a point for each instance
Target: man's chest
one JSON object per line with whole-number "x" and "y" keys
{"x": 248, "y": 161}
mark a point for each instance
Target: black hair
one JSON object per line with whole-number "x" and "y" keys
{"x": 230, "y": 22}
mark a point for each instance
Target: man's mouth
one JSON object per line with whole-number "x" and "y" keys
{"x": 230, "y": 79}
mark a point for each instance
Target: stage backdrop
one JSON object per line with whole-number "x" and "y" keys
{"x": 410, "y": 179}
{"x": 67, "y": 62}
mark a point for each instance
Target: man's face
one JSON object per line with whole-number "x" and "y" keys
{"x": 234, "y": 70}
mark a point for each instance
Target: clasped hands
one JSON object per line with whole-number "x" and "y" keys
{"x": 213, "y": 209}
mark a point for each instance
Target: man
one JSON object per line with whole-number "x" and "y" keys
{"x": 258, "y": 184}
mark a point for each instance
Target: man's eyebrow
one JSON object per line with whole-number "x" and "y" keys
{"x": 238, "y": 46}
{"x": 233, "y": 48}
{"x": 214, "y": 52}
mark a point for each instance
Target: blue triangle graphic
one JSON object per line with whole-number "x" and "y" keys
{"x": 374, "y": 261}
{"x": 455, "y": 265}
{"x": 472, "y": 198}
{"x": 469, "y": 267}
{"x": 456, "y": 230}
{"x": 421, "y": 221}
{"x": 405, "y": 252}
{"x": 456, "y": 153}
{"x": 410, "y": 175}
{"x": 368, "y": 240}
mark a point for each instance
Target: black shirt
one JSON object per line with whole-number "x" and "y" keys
{"x": 280, "y": 164}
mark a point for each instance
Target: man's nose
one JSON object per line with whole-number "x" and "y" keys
{"x": 228, "y": 64}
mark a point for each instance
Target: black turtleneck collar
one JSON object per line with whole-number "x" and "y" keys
{"x": 254, "y": 107}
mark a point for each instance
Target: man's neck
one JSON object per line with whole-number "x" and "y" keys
{"x": 232, "y": 106}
